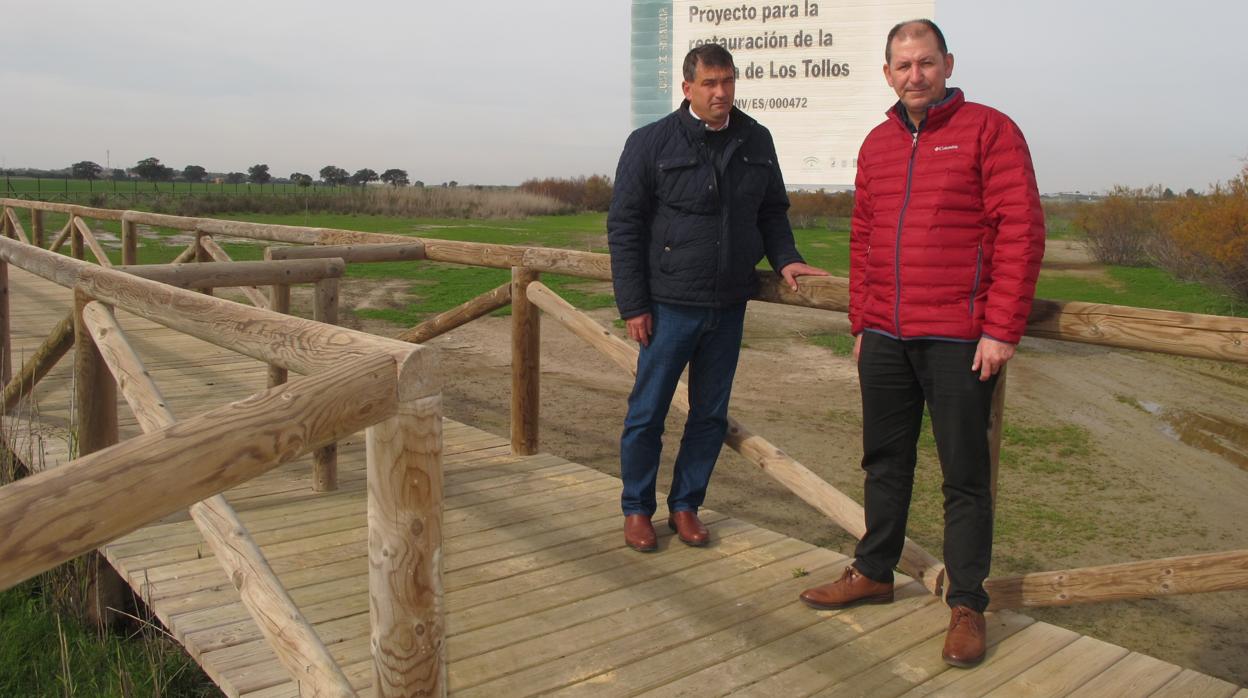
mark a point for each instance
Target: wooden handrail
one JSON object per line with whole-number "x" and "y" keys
{"x": 1168, "y": 332}
{"x": 53, "y": 348}
{"x": 1190, "y": 574}
{"x": 292, "y": 638}
{"x": 300, "y": 345}
{"x": 89, "y": 237}
{"x": 58, "y": 514}
{"x": 226, "y": 274}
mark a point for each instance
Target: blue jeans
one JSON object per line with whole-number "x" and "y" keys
{"x": 708, "y": 341}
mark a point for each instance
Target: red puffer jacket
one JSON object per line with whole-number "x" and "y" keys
{"x": 947, "y": 232}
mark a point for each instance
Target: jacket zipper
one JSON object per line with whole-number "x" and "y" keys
{"x": 979, "y": 265}
{"x": 901, "y": 217}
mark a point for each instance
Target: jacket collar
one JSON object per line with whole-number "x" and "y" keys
{"x": 937, "y": 114}
{"x": 738, "y": 122}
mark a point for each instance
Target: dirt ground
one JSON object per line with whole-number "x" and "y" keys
{"x": 1157, "y": 463}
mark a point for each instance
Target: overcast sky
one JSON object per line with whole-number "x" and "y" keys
{"x": 1129, "y": 92}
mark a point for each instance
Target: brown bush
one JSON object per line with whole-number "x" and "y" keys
{"x": 582, "y": 193}
{"x": 809, "y": 209}
{"x": 1121, "y": 227}
{"x": 1213, "y": 231}
{"x": 411, "y": 202}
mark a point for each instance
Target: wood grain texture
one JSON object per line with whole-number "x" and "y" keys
{"x": 294, "y": 641}
{"x": 404, "y": 461}
{"x": 220, "y": 274}
{"x": 58, "y": 514}
{"x": 377, "y": 252}
{"x": 1190, "y": 574}
{"x": 220, "y": 255}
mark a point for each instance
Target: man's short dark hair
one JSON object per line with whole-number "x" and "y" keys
{"x": 709, "y": 55}
{"x": 905, "y": 31}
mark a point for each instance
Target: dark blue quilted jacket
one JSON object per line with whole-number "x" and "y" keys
{"x": 677, "y": 233}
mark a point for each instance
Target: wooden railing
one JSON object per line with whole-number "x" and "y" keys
{"x": 351, "y": 381}
{"x": 1184, "y": 334}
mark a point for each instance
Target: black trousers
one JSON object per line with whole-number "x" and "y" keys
{"x": 897, "y": 378}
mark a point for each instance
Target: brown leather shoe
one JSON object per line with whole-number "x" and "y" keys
{"x": 688, "y": 528}
{"x": 851, "y": 589}
{"x": 966, "y": 640}
{"x": 639, "y": 533}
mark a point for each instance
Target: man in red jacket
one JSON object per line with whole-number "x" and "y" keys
{"x": 946, "y": 242}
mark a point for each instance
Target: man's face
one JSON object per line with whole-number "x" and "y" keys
{"x": 711, "y": 92}
{"x": 917, "y": 72}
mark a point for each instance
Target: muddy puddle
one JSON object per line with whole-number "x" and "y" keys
{"x": 1217, "y": 435}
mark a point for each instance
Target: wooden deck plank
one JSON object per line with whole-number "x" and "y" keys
{"x": 1193, "y": 684}
{"x": 1069, "y": 668}
{"x": 919, "y": 663}
{"x": 1011, "y": 657}
{"x": 1134, "y": 675}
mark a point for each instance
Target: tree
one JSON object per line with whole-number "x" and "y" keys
{"x": 194, "y": 173}
{"x": 151, "y": 170}
{"x": 364, "y": 176}
{"x": 419, "y": 183}
{"x": 395, "y": 177}
{"x": 258, "y": 174}
{"x": 301, "y": 179}
{"x": 118, "y": 174}
{"x": 334, "y": 175}
{"x": 85, "y": 170}
{"x": 235, "y": 178}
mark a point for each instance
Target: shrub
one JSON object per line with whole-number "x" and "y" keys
{"x": 583, "y": 193}
{"x": 809, "y": 209}
{"x": 1121, "y": 227}
{"x": 1212, "y": 230}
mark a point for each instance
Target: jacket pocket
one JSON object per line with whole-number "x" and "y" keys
{"x": 677, "y": 182}
{"x": 979, "y": 267}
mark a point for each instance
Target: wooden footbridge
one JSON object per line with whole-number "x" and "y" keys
{"x": 332, "y": 534}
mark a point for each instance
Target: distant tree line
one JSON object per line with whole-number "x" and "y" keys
{"x": 152, "y": 170}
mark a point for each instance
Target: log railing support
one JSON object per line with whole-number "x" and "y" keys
{"x": 288, "y": 632}
{"x": 218, "y": 254}
{"x": 75, "y": 239}
{"x": 202, "y": 255}
{"x": 88, "y": 237}
{"x": 15, "y": 226}
{"x": 95, "y": 404}
{"x": 37, "y": 366}
{"x": 129, "y": 242}
{"x": 279, "y": 302}
{"x": 404, "y": 463}
{"x": 526, "y": 344}
{"x": 62, "y": 236}
{"x": 36, "y": 227}
{"x": 325, "y": 458}
{"x": 462, "y": 314}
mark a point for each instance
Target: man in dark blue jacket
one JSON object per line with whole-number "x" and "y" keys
{"x": 698, "y": 201}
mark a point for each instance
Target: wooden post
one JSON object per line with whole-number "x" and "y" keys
{"x": 404, "y": 462}
{"x": 996, "y": 415}
{"x": 75, "y": 239}
{"x": 129, "y": 242}
{"x": 325, "y": 459}
{"x": 95, "y": 404}
{"x": 279, "y": 302}
{"x": 6, "y": 338}
{"x": 202, "y": 255}
{"x": 36, "y": 226}
{"x": 4, "y": 223}
{"x": 526, "y": 364}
